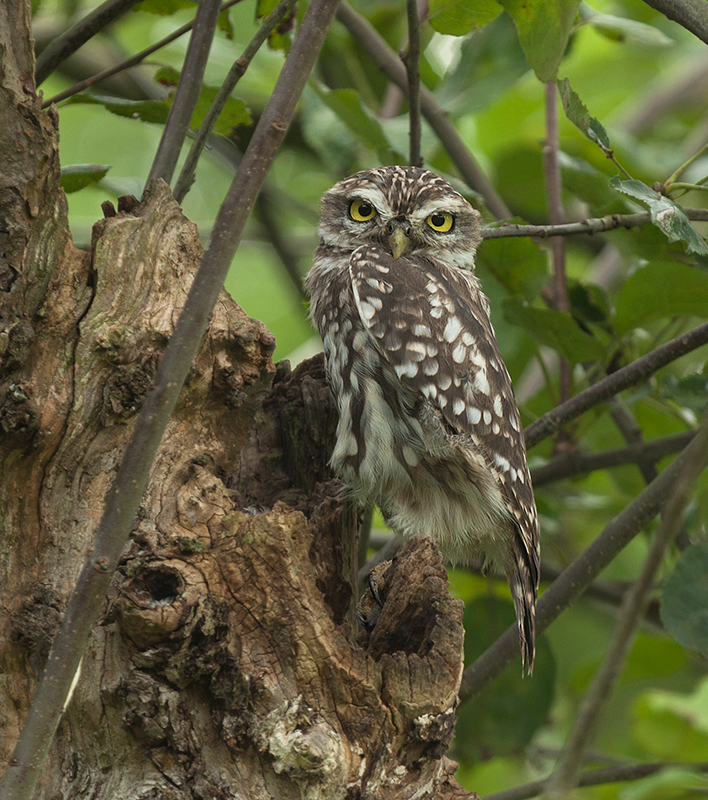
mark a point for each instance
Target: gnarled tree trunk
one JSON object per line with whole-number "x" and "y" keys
{"x": 226, "y": 663}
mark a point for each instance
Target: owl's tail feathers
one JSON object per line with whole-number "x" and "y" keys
{"x": 523, "y": 580}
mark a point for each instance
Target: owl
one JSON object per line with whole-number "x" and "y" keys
{"x": 428, "y": 429}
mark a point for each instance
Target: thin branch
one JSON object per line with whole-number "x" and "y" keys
{"x": 579, "y": 574}
{"x": 594, "y": 225}
{"x": 618, "y": 381}
{"x": 133, "y": 61}
{"x": 413, "y": 73}
{"x": 597, "y": 777}
{"x": 238, "y": 68}
{"x": 187, "y": 94}
{"x": 690, "y": 14}
{"x": 123, "y": 499}
{"x": 390, "y": 64}
{"x": 565, "y": 776}
{"x": 70, "y": 41}
{"x": 568, "y": 464}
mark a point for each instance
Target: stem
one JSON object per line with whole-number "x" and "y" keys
{"x": 383, "y": 56}
{"x": 133, "y": 61}
{"x": 690, "y": 14}
{"x": 413, "y": 73}
{"x": 565, "y": 776}
{"x": 556, "y": 216}
{"x": 122, "y": 502}
{"x": 686, "y": 164}
{"x": 569, "y": 464}
{"x": 187, "y": 94}
{"x": 238, "y": 68}
{"x": 70, "y": 41}
{"x": 618, "y": 381}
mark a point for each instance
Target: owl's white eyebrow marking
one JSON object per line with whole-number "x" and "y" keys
{"x": 372, "y": 195}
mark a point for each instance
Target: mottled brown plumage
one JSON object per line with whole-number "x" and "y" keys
{"x": 428, "y": 428}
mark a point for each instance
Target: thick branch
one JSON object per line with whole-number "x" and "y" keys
{"x": 187, "y": 94}
{"x": 383, "y": 56}
{"x": 70, "y": 41}
{"x": 413, "y": 72}
{"x": 690, "y": 14}
{"x": 616, "y": 382}
{"x": 568, "y": 464}
{"x": 580, "y": 574}
{"x": 125, "y": 494}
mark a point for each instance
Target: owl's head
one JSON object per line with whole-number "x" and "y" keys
{"x": 404, "y": 210}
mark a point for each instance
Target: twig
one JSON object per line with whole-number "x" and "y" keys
{"x": 123, "y": 499}
{"x": 384, "y": 57}
{"x": 597, "y": 777}
{"x": 565, "y": 776}
{"x": 413, "y": 73}
{"x": 133, "y": 61}
{"x": 70, "y": 41}
{"x": 616, "y": 382}
{"x": 187, "y": 94}
{"x": 594, "y": 225}
{"x": 239, "y": 67}
{"x": 556, "y": 216}
{"x": 690, "y": 14}
{"x": 579, "y": 574}
{"x": 578, "y": 463}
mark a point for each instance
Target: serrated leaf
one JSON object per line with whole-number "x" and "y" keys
{"x": 667, "y": 215}
{"x": 517, "y": 263}
{"x": 544, "y": 28}
{"x": 459, "y": 17}
{"x": 145, "y": 110}
{"x": 347, "y": 105}
{"x": 660, "y": 289}
{"x": 554, "y": 329}
{"x": 684, "y": 601}
{"x": 621, "y": 29}
{"x": 578, "y": 114}
{"x": 77, "y": 176}
{"x": 505, "y": 717}
{"x": 164, "y": 7}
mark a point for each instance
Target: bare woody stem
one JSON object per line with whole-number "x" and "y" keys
{"x": 565, "y": 777}
{"x": 390, "y": 64}
{"x": 691, "y": 14}
{"x": 616, "y": 382}
{"x": 124, "y": 497}
{"x": 187, "y": 94}
{"x": 133, "y": 61}
{"x": 238, "y": 68}
{"x": 580, "y": 573}
{"x": 70, "y": 41}
{"x": 413, "y": 73}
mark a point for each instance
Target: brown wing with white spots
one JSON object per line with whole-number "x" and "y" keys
{"x": 431, "y": 322}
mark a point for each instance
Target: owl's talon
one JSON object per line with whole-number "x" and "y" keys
{"x": 369, "y": 607}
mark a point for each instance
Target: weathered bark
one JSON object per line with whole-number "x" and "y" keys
{"x": 226, "y": 663}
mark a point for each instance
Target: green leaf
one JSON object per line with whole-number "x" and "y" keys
{"x": 684, "y": 602}
{"x": 164, "y": 7}
{"x": 667, "y": 215}
{"x": 347, "y": 105}
{"x": 588, "y": 302}
{"x": 459, "y": 17}
{"x": 517, "y": 263}
{"x": 554, "y": 329}
{"x": 167, "y": 76}
{"x": 279, "y": 38}
{"x": 660, "y": 289}
{"x": 689, "y": 392}
{"x": 145, "y": 110}
{"x": 544, "y": 28}
{"x": 505, "y": 717}
{"x": 234, "y": 113}
{"x": 621, "y": 29}
{"x": 77, "y": 176}
{"x": 579, "y": 115}
{"x": 225, "y": 25}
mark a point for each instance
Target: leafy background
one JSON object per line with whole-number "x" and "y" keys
{"x": 645, "y": 80}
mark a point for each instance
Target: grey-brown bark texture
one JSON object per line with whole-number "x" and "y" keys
{"x": 225, "y": 665}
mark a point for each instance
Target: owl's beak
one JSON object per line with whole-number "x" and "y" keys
{"x": 398, "y": 239}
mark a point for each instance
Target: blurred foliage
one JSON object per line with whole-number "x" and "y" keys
{"x": 629, "y": 290}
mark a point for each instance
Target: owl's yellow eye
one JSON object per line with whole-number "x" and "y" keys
{"x": 361, "y": 211}
{"x": 441, "y": 221}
